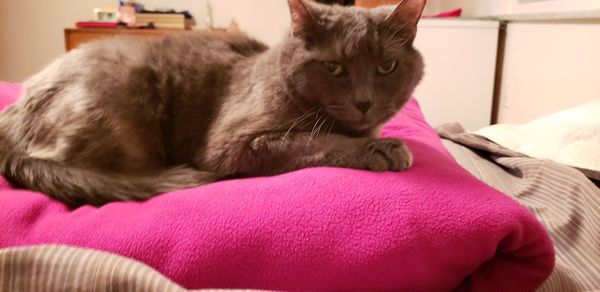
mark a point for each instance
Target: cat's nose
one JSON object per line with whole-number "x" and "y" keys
{"x": 363, "y": 106}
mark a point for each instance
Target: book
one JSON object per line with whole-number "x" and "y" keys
{"x": 162, "y": 20}
{"x": 161, "y": 15}
{"x": 161, "y": 25}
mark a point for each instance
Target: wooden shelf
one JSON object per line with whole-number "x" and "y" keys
{"x": 77, "y": 36}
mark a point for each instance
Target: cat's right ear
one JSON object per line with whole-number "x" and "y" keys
{"x": 408, "y": 12}
{"x": 303, "y": 20}
{"x": 405, "y": 18}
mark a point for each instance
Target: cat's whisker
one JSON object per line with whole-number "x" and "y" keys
{"x": 308, "y": 112}
{"x": 330, "y": 127}
{"x": 298, "y": 120}
{"x": 312, "y": 132}
{"x": 321, "y": 125}
{"x": 315, "y": 130}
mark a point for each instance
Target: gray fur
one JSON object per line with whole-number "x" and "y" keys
{"x": 128, "y": 119}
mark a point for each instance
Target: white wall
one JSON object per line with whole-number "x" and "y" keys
{"x": 469, "y": 7}
{"x": 549, "y": 67}
{"x": 31, "y": 31}
{"x": 460, "y": 62}
{"x": 432, "y": 7}
{"x": 517, "y": 8}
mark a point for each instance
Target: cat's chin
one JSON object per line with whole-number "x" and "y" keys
{"x": 360, "y": 126}
{"x": 364, "y": 125}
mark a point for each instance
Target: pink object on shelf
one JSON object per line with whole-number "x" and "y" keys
{"x": 448, "y": 14}
{"x": 96, "y": 24}
{"x": 433, "y": 227}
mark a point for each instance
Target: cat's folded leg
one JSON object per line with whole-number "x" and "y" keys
{"x": 277, "y": 153}
{"x": 384, "y": 154}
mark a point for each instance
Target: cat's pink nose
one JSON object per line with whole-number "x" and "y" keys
{"x": 363, "y": 106}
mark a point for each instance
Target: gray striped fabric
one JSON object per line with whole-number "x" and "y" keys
{"x": 63, "y": 268}
{"x": 66, "y": 268}
{"x": 562, "y": 198}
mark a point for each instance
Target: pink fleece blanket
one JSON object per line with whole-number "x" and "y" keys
{"x": 431, "y": 228}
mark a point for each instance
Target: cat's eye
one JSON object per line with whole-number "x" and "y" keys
{"x": 334, "y": 68}
{"x": 386, "y": 68}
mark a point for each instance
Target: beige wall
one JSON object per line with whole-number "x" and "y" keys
{"x": 31, "y": 31}
{"x": 267, "y": 21}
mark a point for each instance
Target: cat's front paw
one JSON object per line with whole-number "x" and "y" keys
{"x": 387, "y": 154}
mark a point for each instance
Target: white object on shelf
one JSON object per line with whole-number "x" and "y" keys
{"x": 460, "y": 62}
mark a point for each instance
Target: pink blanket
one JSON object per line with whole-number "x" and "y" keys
{"x": 431, "y": 228}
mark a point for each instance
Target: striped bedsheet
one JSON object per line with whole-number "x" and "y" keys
{"x": 60, "y": 268}
{"x": 563, "y": 199}
{"x": 65, "y": 268}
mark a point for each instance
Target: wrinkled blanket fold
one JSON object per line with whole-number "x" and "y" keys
{"x": 561, "y": 197}
{"x": 434, "y": 227}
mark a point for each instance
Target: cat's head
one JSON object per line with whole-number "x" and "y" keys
{"x": 357, "y": 64}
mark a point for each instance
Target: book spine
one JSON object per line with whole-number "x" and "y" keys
{"x": 162, "y": 25}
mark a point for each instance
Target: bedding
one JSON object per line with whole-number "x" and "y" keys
{"x": 565, "y": 201}
{"x": 37, "y": 268}
{"x": 570, "y": 137}
{"x": 434, "y": 227}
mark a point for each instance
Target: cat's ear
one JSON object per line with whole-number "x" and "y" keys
{"x": 303, "y": 20}
{"x": 407, "y": 14}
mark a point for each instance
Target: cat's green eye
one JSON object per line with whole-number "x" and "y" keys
{"x": 386, "y": 68}
{"x": 334, "y": 68}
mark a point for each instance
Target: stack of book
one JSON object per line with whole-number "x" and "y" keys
{"x": 172, "y": 20}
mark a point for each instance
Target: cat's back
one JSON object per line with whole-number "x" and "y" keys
{"x": 211, "y": 42}
{"x": 203, "y": 50}
{"x": 115, "y": 57}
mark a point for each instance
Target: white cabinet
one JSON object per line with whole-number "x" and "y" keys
{"x": 460, "y": 59}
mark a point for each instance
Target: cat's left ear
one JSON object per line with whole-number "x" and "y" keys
{"x": 407, "y": 14}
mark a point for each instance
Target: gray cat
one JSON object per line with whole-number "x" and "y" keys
{"x": 128, "y": 119}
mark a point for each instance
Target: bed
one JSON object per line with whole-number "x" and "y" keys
{"x": 435, "y": 227}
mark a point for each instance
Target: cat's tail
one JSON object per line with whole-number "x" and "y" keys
{"x": 79, "y": 186}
